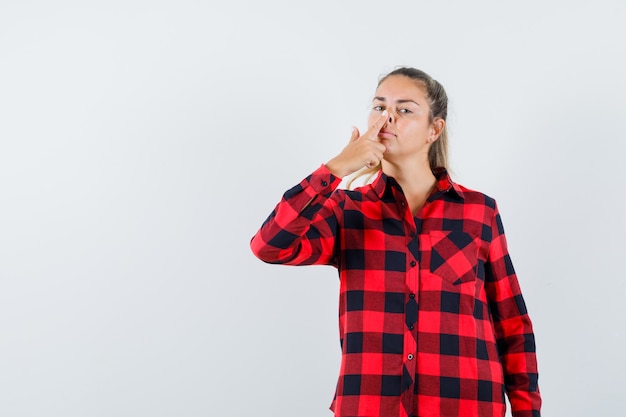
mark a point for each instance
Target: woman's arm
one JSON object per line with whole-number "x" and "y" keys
{"x": 302, "y": 228}
{"x": 512, "y": 325}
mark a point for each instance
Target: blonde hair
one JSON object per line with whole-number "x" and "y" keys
{"x": 438, "y": 103}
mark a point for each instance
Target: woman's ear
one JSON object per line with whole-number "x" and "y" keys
{"x": 436, "y": 129}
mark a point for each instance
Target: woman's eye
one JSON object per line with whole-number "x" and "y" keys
{"x": 404, "y": 111}
{"x": 378, "y": 108}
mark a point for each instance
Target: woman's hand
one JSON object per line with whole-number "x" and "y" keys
{"x": 365, "y": 150}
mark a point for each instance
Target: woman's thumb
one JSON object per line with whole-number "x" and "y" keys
{"x": 355, "y": 134}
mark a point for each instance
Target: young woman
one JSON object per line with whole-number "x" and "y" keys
{"x": 431, "y": 316}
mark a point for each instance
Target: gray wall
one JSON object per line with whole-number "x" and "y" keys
{"x": 142, "y": 143}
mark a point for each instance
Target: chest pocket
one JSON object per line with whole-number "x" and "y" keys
{"x": 454, "y": 256}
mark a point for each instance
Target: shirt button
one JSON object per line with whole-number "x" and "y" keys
{"x": 410, "y": 357}
{"x": 411, "y": 327}
{"x": 413, "y": 263}
{"x": 411, "y": 295}
{"x": 402, "y": 203}
{"x": 324, "y": 183}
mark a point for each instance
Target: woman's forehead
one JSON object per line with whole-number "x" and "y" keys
{"x": 400, "y": 87}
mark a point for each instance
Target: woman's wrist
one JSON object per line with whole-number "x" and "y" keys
{"x": 336, "y": 169}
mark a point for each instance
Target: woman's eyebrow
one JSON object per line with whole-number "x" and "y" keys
{"x": 406, "y": 100}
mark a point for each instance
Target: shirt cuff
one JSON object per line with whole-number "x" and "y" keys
{"x": 323, "y": 181}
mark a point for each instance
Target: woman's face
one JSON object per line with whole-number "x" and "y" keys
{"x": 408, "y": 129}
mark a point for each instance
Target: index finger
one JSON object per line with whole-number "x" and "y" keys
{"x": 372, "y": 132}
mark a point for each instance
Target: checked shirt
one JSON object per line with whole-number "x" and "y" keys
{"x": 432, "y": 321}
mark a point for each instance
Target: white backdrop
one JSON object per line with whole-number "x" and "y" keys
{"x": 144, "y": 142}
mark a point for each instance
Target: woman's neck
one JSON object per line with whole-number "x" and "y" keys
{"x": 415, "y": 178}
{"x": 417, "y": 182}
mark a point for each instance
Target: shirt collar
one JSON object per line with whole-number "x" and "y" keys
{"x": 444, "y": 183}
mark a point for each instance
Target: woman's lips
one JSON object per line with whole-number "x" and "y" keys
{"x": 386, "y": 134}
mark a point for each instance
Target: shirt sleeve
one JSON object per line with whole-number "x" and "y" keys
{"x": 302, "y": 228}
{"x": 513, "y": 327}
